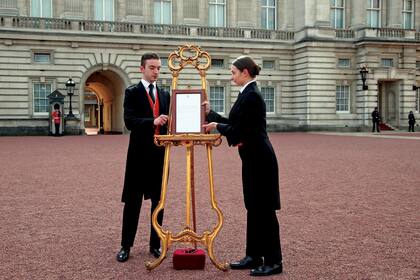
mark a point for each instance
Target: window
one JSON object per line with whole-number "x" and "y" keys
{"x": 162, "y": 11}
{"x": 42, "y": 58}
{"x": 268, "y": 14}
{"x": 41, "y": 8}
{"x": 217, "y": 13}
{"x": 40, "y": 93}
{"x": 343, "y": 63}
{"x": 408, "y": 7}
{"x": 163, "y": 61}
{"x": 217, "y": 99}
{"x": 342, "y": 98}
{"x": 374, "y": 13}
{"x": 387, "y": 62}
{"x": 268, "y": 96}
{"x": 104, "y": 10}
{"x": 8, "y": 4}
{"x": 337, "y": 13}
{"x": 268, "y": 64}
{"x": 217, "y": 63}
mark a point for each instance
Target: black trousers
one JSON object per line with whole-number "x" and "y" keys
{"x": 57, "y": 129}
{"x": 263, "y": 236}
{"x": 131, "y": 215}
{"x": 377, "y": 126}
{"x": 410, "y": 127}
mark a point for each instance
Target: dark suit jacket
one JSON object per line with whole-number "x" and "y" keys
{"x": 247, "y": 125}
{"x": 143, "y": 173}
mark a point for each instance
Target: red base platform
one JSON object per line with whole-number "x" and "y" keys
{"x": 189, "y": 259}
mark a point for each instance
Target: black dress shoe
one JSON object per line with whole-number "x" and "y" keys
{"x": 123, "y": 254}
{"x": 155, "y": 252}
{"x": 266, "y": 270}
{"x": 246, "y": 263}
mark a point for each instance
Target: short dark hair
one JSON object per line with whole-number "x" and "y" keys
{"x": 246, "y": 62}
{"x": 56, "y": 106}
{"x": 148, "y": 56}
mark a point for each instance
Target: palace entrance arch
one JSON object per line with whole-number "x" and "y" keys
{"x": 103, "y": 99}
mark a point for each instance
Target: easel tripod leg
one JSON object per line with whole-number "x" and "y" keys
{"x": 164, "y": 236}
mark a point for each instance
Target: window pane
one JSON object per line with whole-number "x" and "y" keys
{"x": 342, "y": 98}
{"x": 46, "y": 8}
{"x": 42, "y": 57}
{"x": 220, "y": 16}
{"x": 343, "y": 62}
{"x": 271, "y": 19}
{"x": 164, "y": 61}
{"x": 340, "y": 19}
{"x": 409, "y": 5}
{"x": 264, "y": 18}
{"x": 268, "y": 96}
{"x": 268, "y": 64}
{"x": 216, "y": 13}
{"x": 157, "y": 12}
{"x": 375, "y": 4}
{"x": 407, "y": 21}
{"x": 99, "y": 10}
{"x": 36, "y": 8}
{"x": 109, "y": 10}
{"x": 217, "y": 99}
{"x": 217, "y": 63}
{"x": 167, "y": 13}
{"x": 41, "y": 91}
{"x": 387, "y": 62}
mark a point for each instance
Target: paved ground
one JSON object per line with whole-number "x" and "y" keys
{"x": 350, "y": 208}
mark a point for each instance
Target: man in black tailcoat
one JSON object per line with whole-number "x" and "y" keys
{"x": 146, "y": 108}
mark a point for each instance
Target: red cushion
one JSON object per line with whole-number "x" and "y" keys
{"x": 189, "y": 259}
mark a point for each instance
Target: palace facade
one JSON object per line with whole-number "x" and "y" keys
{"x": 311, "y": 53}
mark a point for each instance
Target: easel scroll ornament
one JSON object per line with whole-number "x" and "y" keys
{"x": 177, "y": 61}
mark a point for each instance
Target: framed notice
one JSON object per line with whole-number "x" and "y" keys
{"x": 187, "y": 111}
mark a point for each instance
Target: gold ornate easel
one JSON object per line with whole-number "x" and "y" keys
{"x": 177, "y": 60}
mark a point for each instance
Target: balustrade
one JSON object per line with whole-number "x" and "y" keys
{"x": 164, "y": 29}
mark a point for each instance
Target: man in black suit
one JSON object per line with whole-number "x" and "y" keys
{"x": 376, "y": 118}
{"x": 146, "y": 108}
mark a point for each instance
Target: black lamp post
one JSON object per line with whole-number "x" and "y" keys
{"x": 101, "y": 118}
{"x": 363, "y": 73}
{"x": 70, "y": 85}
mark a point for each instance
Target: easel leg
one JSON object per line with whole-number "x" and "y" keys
{"x": 210, "y": 238}
{"x": 164, "y": 236}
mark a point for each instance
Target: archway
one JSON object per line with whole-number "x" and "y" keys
{"x": 103, "y": 102}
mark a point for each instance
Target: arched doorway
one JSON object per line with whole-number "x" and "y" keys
{"x": 103, "y": 103}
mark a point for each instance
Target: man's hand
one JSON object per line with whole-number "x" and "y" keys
{"x": 206, "y": 105}
{"x": 209, "y": 127}
{"x": 161, "y": 120}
